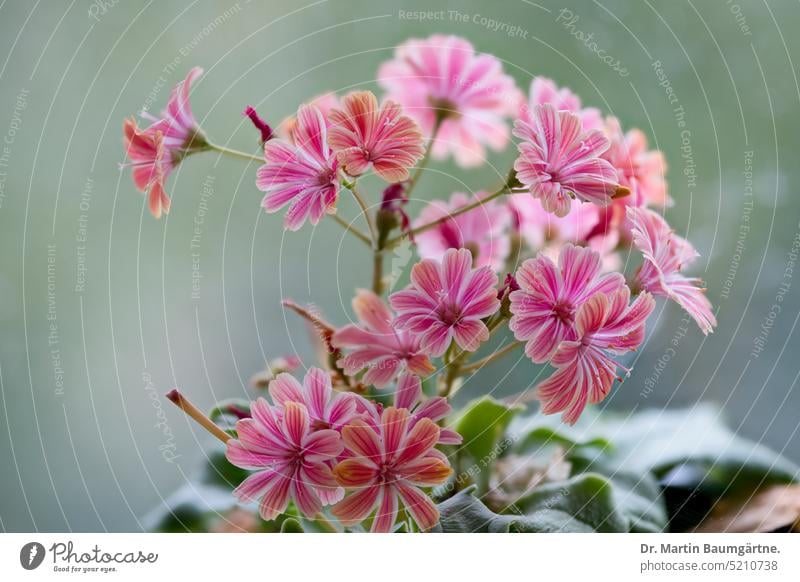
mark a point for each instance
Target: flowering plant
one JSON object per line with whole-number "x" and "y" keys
{"x": 367, "y": 437}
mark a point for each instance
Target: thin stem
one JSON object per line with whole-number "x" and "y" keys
{"x": 352, "y": 229}
{"x": 235, "y": 153}
{"x": 377, "y": 271}
{"x": 191, "y": 410}
{"x": 491, "y": 357}
{"x": 426, "y": 157}
{"x": 373, "y": 234}
{"x": 458, "y": 211}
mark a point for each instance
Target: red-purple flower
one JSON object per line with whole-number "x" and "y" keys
{"x": 545, "y": 306}
{"x": 442, "y": 78}
{"x": 156, "y": 150}
{"x": 378, "y": 345}
{"x": 665, "y": 254}
{"x": 290, "y": 459}
{"x": 604, "y": 324}
{"x": 362, "y": 133}
{"x": 302, "y": 174}
{"x": 559, "y": 160}
{"x": 389, "y": 464}
{"x": 447, "y": 300}
{"x": 483, "y": 231}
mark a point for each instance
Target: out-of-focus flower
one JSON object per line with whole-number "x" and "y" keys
{"x": 389, "y": 464}
{"x": 326, "y": 408}
{"x": 539, "y": 227}
{"x": 290, "y": 459}
{"x": 442, "y": 79}
{"x": 544, "y": 90}
{"x": 277, "y": 366}
{"x": 585, "y": 371}
{"x": 558, "y": 160}
{"x": 665, "y": 254}
{"x": 156, "y": 150}
{"x": 638, "y": 169}
{"x": 549, "y": 297}
{"x": 362, "y": 133}
{"x": 325, "y": 103}
{"x": 447, "y": 300}
{"x": 408, "y": 395}
{"x": 378, "y": 345}
{"x": 483, "y": 231}
{"x": 302, "y": 174}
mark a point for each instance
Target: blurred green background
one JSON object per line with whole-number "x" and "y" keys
{"x": 97, "y": 313}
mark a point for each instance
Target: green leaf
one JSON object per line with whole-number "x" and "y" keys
{"x": 584, "y": 503}
{"x": 482, "y": 424}
{"x": 658, "y": 441}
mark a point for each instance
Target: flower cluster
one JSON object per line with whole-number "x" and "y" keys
{"x": 311, "y": 444}
{"x": 580, "y": 193}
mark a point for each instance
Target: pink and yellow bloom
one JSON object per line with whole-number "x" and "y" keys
{"x": 447, "y": 300}
{"x": 665, "y": 254}
{"x": 302, "y": 174}
{"x": 290, "y": 459}
{"x": 605, "y": 324}
{"x": 559, "y": 160}
{"x": 156, "y": 150}
{"x": 483, "y": 231}
{"x": 545, "y": 306}
{"x": 364, "y": 134}
{"x": 442, "y": 80}
{"x": 378, "y": 345}
{"x": 387, "y": 465}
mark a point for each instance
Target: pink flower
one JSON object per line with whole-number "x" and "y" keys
{"x": 302, "y": 174}
{"x": 442, "y": 77}
{"x": 559, "y": 160}
{"x": 545, "y": 306}
{"x": 377, "y": 344}
{"x": 390, "y": 463}
{"x": 447, "y": 300}
{"x": 326, "y": 408}
{"x": 155, "y": 151}
{"x": 665, "y": 255}
{"x": 362, "y": 133}
{"x": 408, "y": 395}
{"x": 326, "y": 103}
{"x": 638, "y": 169}
{"x": 585, "y": 371}
{"x": 483, "y": 231}
{"x": 151, "y": 164}
{"x": 290, "y": 460}
{"x": 544, "y": 90}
